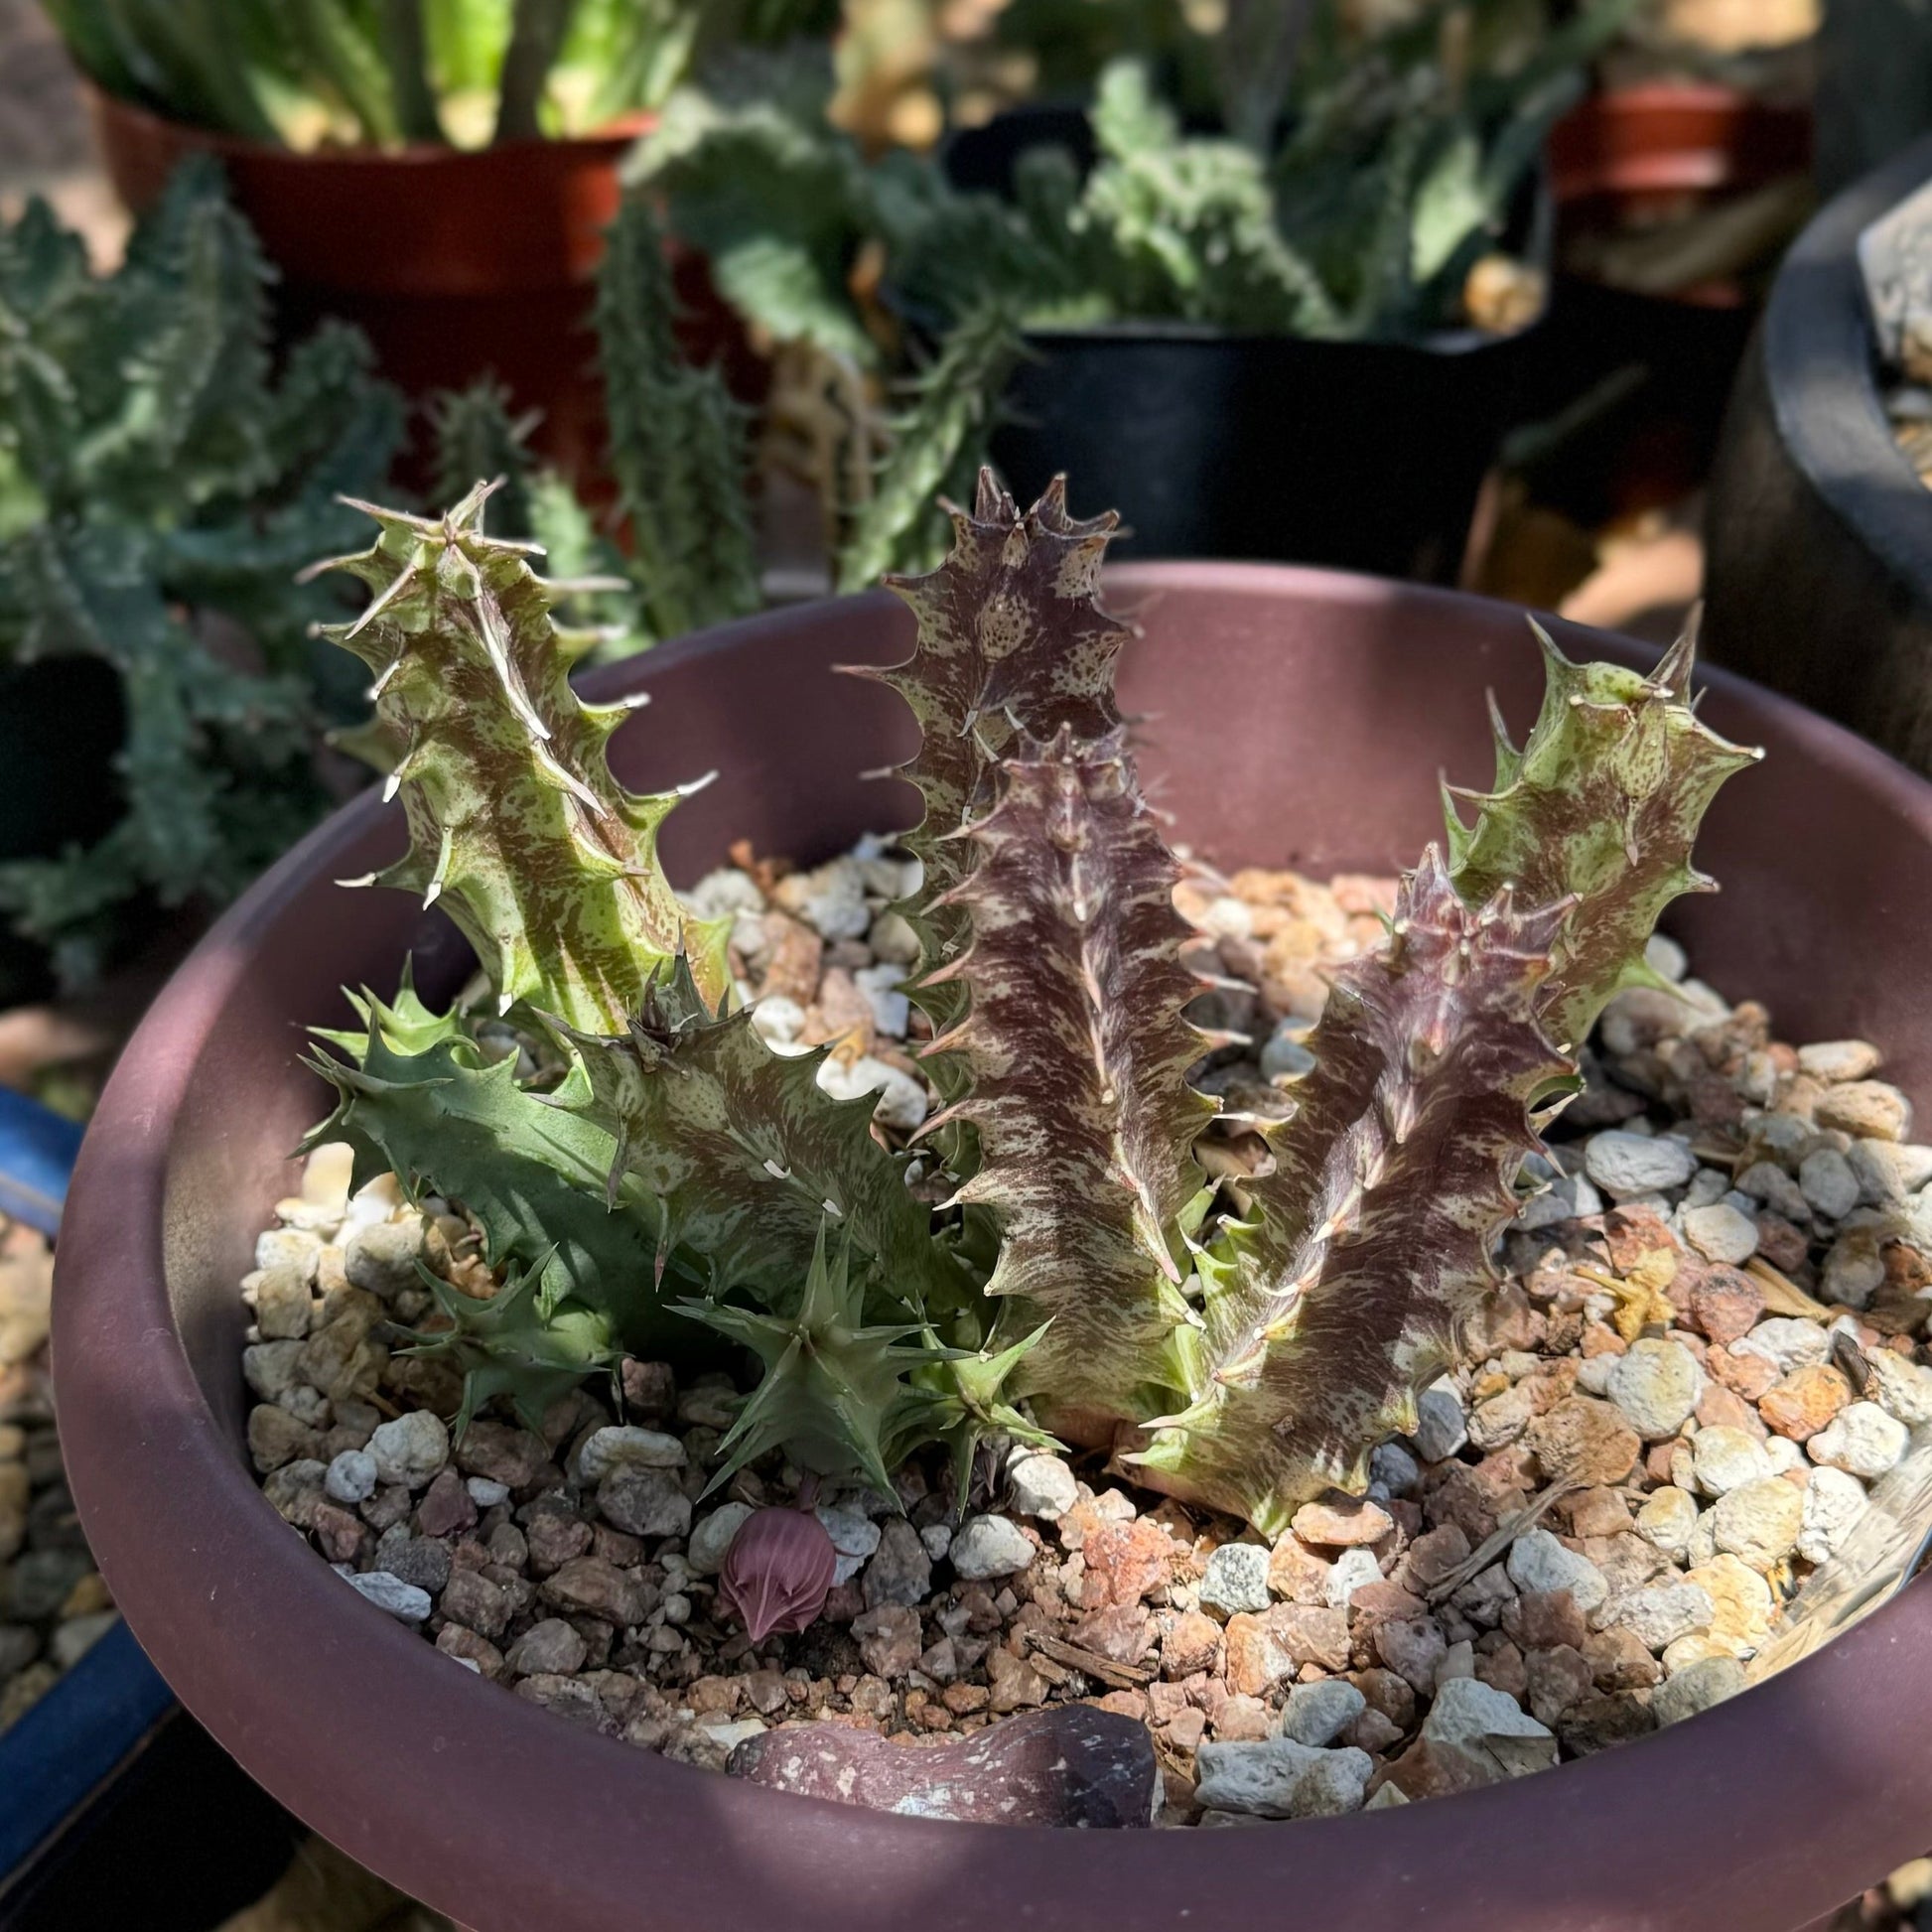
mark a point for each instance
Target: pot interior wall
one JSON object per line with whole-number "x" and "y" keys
{"x": 1289, "y": 718}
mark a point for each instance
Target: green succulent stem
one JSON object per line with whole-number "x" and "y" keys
{"x": 1602, "y": 802}
{"x": 548, "y": 863}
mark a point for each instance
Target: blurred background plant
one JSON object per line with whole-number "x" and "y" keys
{"x": 307, "y": 73}
{"x": 676, "y": 551}
{"x": 1350, "y": 180}
{"x": 160, "y": 487}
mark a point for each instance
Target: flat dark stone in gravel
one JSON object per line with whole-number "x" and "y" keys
{"x": 1073, "y": 1765}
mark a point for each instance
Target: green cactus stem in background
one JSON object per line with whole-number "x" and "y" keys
{"x": 679, "y": 451}
{"x": 748, "y": 1157}
{"x": 831, "y": 1380}
{"x": 161, "y": 483}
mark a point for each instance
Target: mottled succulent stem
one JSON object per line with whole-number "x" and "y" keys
{"x": 1078, "y": 1054}
{"x": 1010, "y": 636}
{"x": 548, "y": 863}
{"x": 1372, "y": 1240}
{"x": 1602, "y": 802}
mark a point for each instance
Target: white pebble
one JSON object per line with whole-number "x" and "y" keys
{"x": 1829, "y": 1182}
{"x": 1349, "y": 1571}
{"x": 1467, "y": 1711}
{"x": 411, "y": 1449}
{"x": 777, "y": 1020}
{"x": 1759, "y": 1521}
{"x": 891, "y": 1012}
{"x": 1237, "y": 1579}
{"x": 1042, "y": 1485}
{"x": 989, "y": 1545}
{"x": 1667, "y": 1518}
{"x": 1899, "y": 1387}
{"x": 1889, "y": 1171}
{"x": 1720, "y": 1233}
{"x": 1656, "y": 1384}
{"x": 1787, "y": 1341}
{"x": 728, "y": 889}
{"x": 1726, "y": 1458}
{"x": 487, "y": 1493}
{"x": 1832, "y": 1060}
{"x": 1665, "y": 957}
{"x": 1834, "y": 1502}
{"x": 855, "y": 1536}
{"x": 892, "y": 938}
{"x": 1624, "y": 1165}
{"x": 625, "y": 1445}
{"x": 1660, "y": 1614}
{"x": 711, "y": 1537}
{"x": 1862, "y": 1440}
{"x": 1854, "y": 1269}
{"x": 1696, "y": 1687}
{"x": 352, "y": 1476}
{"x": 1766, "y": 1181}
{"x": 1278, "y": 1778}
{"x": 1315, "y": 1714}
{"x": 902, "y": 1099}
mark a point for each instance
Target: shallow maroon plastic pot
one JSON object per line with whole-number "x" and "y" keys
{"x": 1294, "y": 717}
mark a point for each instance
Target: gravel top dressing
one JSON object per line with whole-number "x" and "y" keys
{"x": 1704, "y": 1354}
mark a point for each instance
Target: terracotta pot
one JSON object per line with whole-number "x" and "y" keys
{"x": 1298, "y": 717}
{"x": 1619, "y": 160}
{"x": 1817, "y": 531}
{"x": 457, "y": 263}
{"x": 1666, "y": 140}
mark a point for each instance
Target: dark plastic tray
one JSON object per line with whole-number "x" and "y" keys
{"x": 115, "y": 1807}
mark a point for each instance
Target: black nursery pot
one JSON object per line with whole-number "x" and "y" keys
{"x": 1367, "y": 456}
{"x": 62, "y": 722}
{"x": 1819, "y": 533}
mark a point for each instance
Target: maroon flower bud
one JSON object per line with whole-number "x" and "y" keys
{"x": 777, "y": 1572}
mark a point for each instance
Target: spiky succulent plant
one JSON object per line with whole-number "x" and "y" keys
{"x": 1243, "y": 1345}
{"x": 680, "y": 1177}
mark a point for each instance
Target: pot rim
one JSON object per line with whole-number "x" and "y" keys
{"x": 613, "y": 139}
{"x": 707, "y": 1849}
{"x": 1821, "y": 373}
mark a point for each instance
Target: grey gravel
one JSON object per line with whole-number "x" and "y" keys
{"x": 1628, "y": 1164}
{"x": 1236, "y": 1579}
{"x": 989, "y": 1545}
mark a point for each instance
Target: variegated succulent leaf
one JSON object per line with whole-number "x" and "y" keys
{"x": 832, "y": 1380}
{"x": 1370, "y": 1242}
{"x": 511, "y": 1345}
{"x": 549, "y": 865}
{"x": 747, "y": 1155}
{"x": 1078, "y": 1052}
{"x": 1012, "y": 639}
{"x": 1604, "y": 802}
{"x": 445, "y": 1120}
